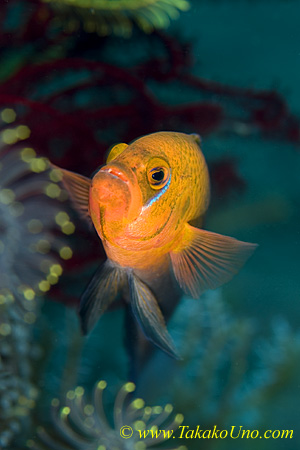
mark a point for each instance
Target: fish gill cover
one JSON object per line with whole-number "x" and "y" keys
{"x": 76, "y": 79}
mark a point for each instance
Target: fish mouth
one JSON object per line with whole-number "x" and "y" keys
{"x": 110, "y": 188}
{"x": 115, "y": 186}
{"x": 115, "y": 172}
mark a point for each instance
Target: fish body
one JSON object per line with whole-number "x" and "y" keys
{"x": 141, "y": 203}
{"x": 141, "y": 218}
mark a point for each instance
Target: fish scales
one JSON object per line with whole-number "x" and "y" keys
{"x": 143, "y": 203}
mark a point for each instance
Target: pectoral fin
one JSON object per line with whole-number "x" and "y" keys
{"x": 100, "y": 293}
{"x": 78, "y": 187}
{"x": 206, "y": 260}
{"x": 149, "y": 315}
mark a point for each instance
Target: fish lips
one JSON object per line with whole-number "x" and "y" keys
{"x": 114, "y": 187}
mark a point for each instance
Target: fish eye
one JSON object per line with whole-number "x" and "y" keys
{"x": 159, "y": 175}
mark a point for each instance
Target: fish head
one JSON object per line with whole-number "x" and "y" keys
{"x": 149, "y": 188}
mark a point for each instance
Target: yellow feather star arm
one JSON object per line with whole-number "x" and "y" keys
{"x": 117, "y": 16}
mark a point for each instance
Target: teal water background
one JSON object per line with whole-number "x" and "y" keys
{"x": 241, "y": 343}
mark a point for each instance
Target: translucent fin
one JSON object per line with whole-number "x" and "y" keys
{"x": 100, "y": 293}
{"x": 149, "y": 315}
{"x": 78, "y": 187}
{"x": 206, "y": 260}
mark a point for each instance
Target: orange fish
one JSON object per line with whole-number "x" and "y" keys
{"x": 141, "y": 203}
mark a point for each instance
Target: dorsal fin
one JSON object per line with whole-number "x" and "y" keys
{"x": 115, "y": 151}
{"x": 205, "y": 260}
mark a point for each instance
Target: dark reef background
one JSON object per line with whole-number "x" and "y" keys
{"x": 77, "y": 77}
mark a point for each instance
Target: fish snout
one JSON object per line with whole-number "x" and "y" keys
{"x": 115, "y": 187}
{"x": 110, "y": 188}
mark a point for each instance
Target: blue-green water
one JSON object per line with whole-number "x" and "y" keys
{"x": 240, "y": 344}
